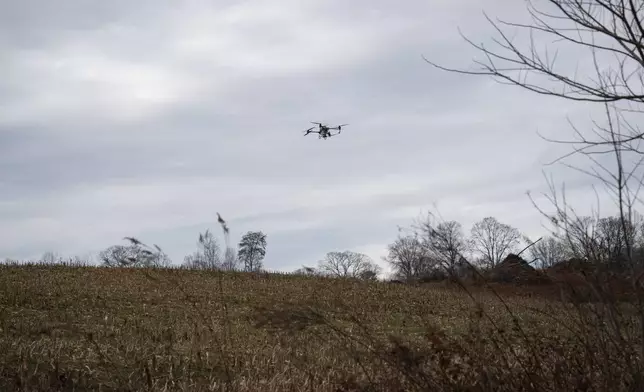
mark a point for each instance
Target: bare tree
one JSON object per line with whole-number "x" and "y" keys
{"x": 231, "y": 260}
{"x": 579, "y": 236}
{"x": 444, "y": 241}
{"x": 192, "y": 261}
{"x": 408, "y": 258}
{"x": 158, "y": 259}
{"x": 548, "y": 251}
{"x": 348, "y": 264}
{"x": 78, "y": 261}
{"x": 50, "y": 258}
{"x": 118, "y": 256}
{"x": 601, "y": 240}
{"x": 252, "y": 250}
{"x": 611, "y": 34}
{"x": 136, "y": 254}
{"x": 613, "y": 237}
{"x": 208, "y": 256}
{"x": 493, "y": 240}
{"x": 612, "y": 28}
{"x": 210, "y": 249}
{"x": 598, "y": 239}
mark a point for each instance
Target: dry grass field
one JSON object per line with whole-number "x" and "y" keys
{"x": 87, "y": 328}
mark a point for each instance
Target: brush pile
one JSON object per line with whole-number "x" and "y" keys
{"x": 513, "y": 269}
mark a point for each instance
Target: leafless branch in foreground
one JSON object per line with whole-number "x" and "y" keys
{"x": 611, "y": 32}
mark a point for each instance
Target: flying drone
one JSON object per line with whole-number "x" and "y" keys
{"x": 324, "y": 131}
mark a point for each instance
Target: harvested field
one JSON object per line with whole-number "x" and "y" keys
{"x": 80, "y": 328}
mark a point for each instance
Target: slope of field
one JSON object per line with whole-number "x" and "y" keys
{"x": 74, "y": 328}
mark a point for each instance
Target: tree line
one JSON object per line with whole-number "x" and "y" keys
{"x": 441, "y": 249}
{"x": 209, "y": 255}
{"x": 429, "y": 249}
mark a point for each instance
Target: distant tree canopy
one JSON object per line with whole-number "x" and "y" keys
{"x": 603, "y": 240}
{"x": 609, "y": 36}
{"x": 252, "y": 250}
{"x": 136, "y": 254}
{"x": 348, "y": 264}
{"x": 208, "y": 254}
{"x": 309, "y": 271}
{"x": 444, "y": 242}
{"x": 408, "y": 258}
{"x": 493, "y": 240}
{"x": 436, "y": 251}
{"x": 439, "y": 249}
{"x": 548, "y": 251}
{"x": 50, "y": 257}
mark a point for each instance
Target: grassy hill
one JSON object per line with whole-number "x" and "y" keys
{"x": 79, "y": 328}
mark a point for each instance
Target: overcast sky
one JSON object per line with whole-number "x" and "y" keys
{"x": 147, "y": 118}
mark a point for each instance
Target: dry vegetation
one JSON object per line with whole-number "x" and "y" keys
{"x": 87, "y": 328}
{"x": 79, "y": 328}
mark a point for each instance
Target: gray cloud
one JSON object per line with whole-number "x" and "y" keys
{"x": 120, "y": 119}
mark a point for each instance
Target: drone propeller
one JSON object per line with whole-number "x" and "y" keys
{"x": 320, "y": 125}
{"x": 324, "y": 130}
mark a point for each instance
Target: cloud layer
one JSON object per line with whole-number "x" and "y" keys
{"x": 146, "y": 119}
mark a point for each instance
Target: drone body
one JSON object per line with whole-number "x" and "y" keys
{"x": 324, "y": 131}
